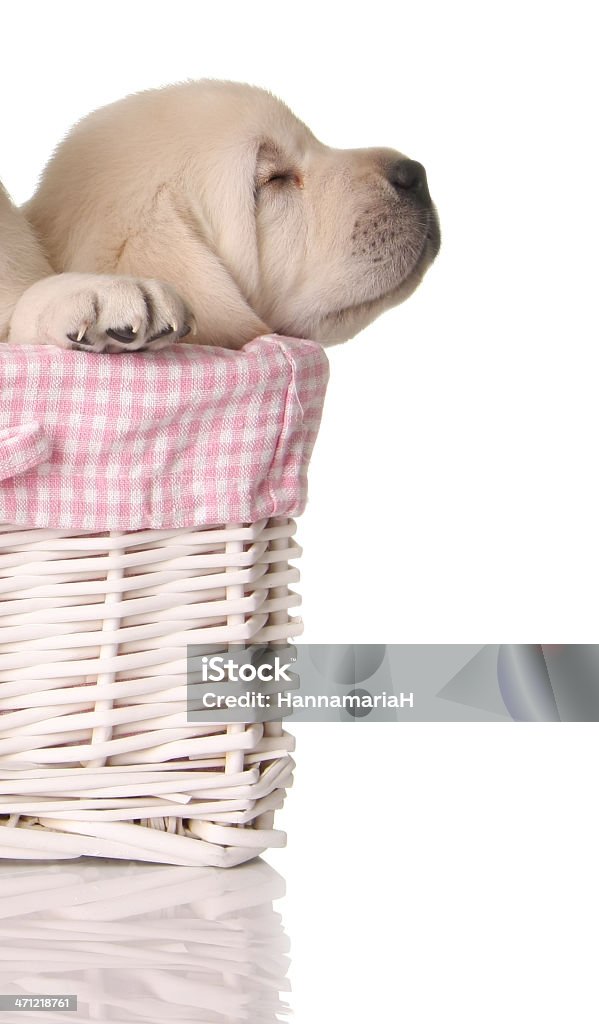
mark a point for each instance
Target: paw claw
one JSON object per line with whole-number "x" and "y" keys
{"x": 79, "y": 340}
{"x": 125, "y": 334}
{"x": 161, "y": 334}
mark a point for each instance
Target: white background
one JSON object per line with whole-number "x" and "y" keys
{"x": 435, "y": 872}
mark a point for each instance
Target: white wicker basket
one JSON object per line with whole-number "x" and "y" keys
{"x": 97, "y": 757}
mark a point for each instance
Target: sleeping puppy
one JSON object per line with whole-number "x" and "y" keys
{"x": 207, "y": 210}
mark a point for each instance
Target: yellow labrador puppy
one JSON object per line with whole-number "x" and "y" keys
{"x": 207, "y": 210}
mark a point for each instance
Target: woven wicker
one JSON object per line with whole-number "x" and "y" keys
{"x": 91, "y": 768}
{"x": 143, "y": 942}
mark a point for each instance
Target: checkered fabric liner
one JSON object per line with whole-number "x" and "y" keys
{"x": 188, "y": 436}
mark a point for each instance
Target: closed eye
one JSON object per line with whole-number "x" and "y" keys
{"x": 280, "y": 178}
{"x": 273, "y": 168}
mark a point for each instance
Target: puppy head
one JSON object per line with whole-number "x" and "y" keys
{"x": 219, "y": 190}
{"x": 321, "y": 241}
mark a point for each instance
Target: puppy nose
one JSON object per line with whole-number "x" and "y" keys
{"x": 409, "y": 176}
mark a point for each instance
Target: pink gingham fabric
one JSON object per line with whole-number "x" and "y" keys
{"x": 187, "y": 436}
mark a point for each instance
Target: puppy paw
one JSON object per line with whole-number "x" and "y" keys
{"x": 100, "y": 313}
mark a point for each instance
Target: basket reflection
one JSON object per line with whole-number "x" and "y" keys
{"x": 141, "y": 942}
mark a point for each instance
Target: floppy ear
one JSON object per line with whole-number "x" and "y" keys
{"x": 178, "y": 244}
